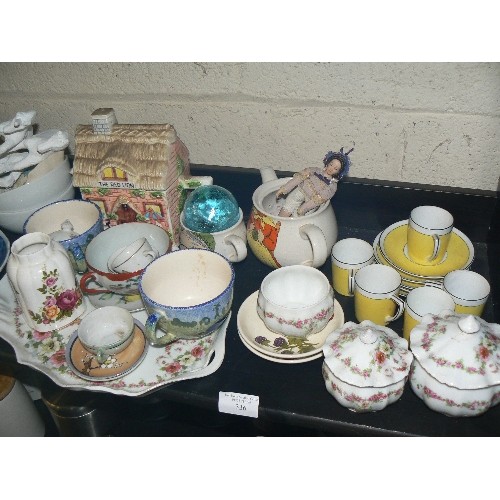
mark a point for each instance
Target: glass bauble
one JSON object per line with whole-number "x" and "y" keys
{"x": 210, "y": 209}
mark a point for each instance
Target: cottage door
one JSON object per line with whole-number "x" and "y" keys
{"x": 125, "y": 214}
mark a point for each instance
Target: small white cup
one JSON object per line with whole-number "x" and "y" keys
{"x": 106, "y": 331}
{"x": 231, "y": 242}
{"x": 296, "y": 301}
{"x": 469, "y": 291}
{"x": 429, "y": 232}
{"x": 133, "y": 257}
{"x": 421, "y": 301}
{"x": 376, "y": 294}
{"x": 348, "y": 256}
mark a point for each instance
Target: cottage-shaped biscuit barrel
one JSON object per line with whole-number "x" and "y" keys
{"x": 134, "y": 173}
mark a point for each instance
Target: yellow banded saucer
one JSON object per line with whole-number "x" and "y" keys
{"x": 411, "y": 279}
{"x": 392, "y": 244}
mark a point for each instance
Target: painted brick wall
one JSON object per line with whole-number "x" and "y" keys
{"x": 424, "y": 123}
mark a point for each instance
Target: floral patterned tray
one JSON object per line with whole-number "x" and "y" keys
{"x": 181, "y": 360}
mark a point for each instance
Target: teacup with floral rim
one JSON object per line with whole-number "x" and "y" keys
{"x": 295, "y": 301}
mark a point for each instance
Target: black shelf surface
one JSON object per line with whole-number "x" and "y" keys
{"x": 293, "y": 400}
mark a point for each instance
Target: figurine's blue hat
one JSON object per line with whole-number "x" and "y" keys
{"x": 342, "y": 157}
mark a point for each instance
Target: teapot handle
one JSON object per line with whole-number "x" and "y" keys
{"x": 317, "y": 241}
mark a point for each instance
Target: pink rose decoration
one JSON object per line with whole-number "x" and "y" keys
{"x": 198, "y": 352}
{"x": 68, "y": 300}
{"x": 58, "y": 358}
{"x": 50, "y": 301}
{"x": 51, "y": 281}
{"x": 173, "y": 367}
{"x": 41, "y": 335}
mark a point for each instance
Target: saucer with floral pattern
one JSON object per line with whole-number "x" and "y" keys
{"x": 253, "y": 332}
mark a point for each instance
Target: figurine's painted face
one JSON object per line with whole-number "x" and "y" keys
{"x": 333, "y": 168}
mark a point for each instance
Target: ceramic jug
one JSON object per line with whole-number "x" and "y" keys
{"x": 284, "y": 241}
{"x": 42, "y": 277}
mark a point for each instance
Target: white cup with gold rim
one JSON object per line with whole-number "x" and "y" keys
{"x": 429, "y": 232}
{"x": 348, "y": 256}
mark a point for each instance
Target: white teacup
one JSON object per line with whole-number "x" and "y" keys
{"x": 469, "y": 291}
{"x": 106, "y": 331}
{"x": 133, "y": 257}
{"x": 376, "y": 294}
{"x": 231, "y": 243}
{"x": 348, "y": 256}
{"x": 105, "y": 244}
{"x": 295, "y": 300}
{"x": 429, "y": 232}
{"x": 421, "y": 301}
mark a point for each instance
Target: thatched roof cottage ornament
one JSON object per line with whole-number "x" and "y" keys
{"x": 134, "y": 173}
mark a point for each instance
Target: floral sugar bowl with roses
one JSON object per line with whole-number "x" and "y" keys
{"x": 456, "y": 366}
{"x": 366, "y": 366}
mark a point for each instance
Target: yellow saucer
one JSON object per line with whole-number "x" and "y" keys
{"x": 412, "y": 278}
{"x": 392, "y": 245}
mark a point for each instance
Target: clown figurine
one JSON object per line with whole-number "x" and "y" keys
{"x": 312, "y": 187}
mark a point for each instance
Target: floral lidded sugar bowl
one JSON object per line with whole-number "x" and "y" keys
{"x": 366, "y": 366}
{"x": 456, "y": 366}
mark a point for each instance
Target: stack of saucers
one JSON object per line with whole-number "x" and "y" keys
{"x": 262, "y": 342}
{"x": 389, "y": 248}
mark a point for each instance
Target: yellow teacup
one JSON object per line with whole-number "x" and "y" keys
{"x": 376, "y": 294}
{"x": 429, "y": 232}
{"x": 469, "y": 291}
{"x": 421, "y": 301}
{"x": 348, "y": 256}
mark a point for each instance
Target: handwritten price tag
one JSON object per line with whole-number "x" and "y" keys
{"x": 239, "y": 404}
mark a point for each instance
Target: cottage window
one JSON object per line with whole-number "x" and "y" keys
{"x": 153, "y": 212}
{"x": 113, "y": 174}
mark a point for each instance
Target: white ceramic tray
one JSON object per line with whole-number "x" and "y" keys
{"x": 161, "y": 366}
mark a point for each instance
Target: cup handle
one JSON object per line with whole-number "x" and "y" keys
{"x": 151, "y": 253}
{"x": 399, "y": 312}
{"x": 83, "y": 284}
{"x": 317, "y": 241}
{"x": 350, "y": 281}
{"x": 240, "y": 248}
{"x": 150, "y": 331}
{"x": 101, "y": 356}
{"x": 79, "y": 256}
{"x": 437, "y": 243}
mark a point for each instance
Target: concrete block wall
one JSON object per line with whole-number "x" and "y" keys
{"x": 423, "y": 123}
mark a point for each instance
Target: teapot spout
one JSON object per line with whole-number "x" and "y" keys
{"x": 267, "y": 174}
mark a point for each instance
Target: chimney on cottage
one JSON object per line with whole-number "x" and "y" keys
{"x": 103, "y": 120}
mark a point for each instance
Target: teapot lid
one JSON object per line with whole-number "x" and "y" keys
{"x": 367, "y": 355}
{"x": 459, "y": 350}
